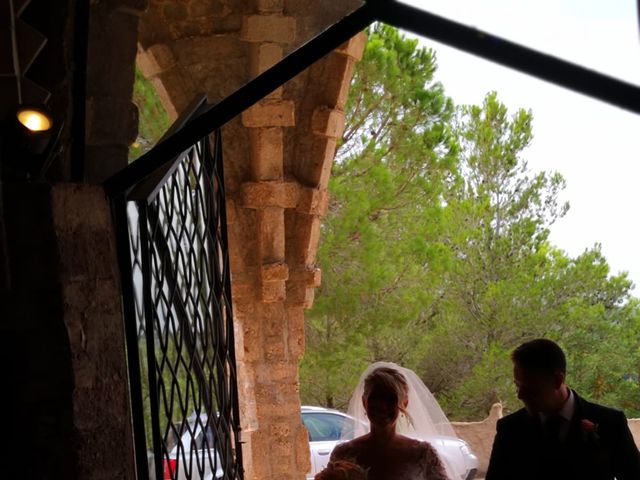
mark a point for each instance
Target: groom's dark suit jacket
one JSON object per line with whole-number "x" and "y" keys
{"x": 522, "y": 451}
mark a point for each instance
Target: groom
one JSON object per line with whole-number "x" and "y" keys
{"x": 558, "y": 435}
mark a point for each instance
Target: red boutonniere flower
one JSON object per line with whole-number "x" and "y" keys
{"x": 589, "y": 430}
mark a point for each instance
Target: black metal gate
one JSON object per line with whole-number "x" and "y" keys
{"x": 173, "y": 254}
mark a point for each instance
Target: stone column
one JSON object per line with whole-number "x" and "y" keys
{"x": 270, "y": 298}
{"x": 111, "y": 116}
{"x": 62, "y": 339}
{"x": 92, "y": 314}
{"x": 271, "y": 408}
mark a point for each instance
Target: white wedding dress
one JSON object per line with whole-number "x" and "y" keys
{"x": 424, "y": 421}
{"x": 419, "y": 462}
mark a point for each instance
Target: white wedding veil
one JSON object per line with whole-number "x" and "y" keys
{"x": 425, "y": 418}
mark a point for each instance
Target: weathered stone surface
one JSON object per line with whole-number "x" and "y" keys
{"x": 274, "y": 393}
{"x": 208, "y": 9}
{"x": 266, "y": 153}
{"x": 111, "y": 118}
{"x": 479, "y": 436}
{"x": 339, "y": 69}
{"x": 273, "y": 113}
{"x": 295, "y": 321}
{"x": 132, "y": 7}
{"x": 192, "y": 50}
{"x": 249, "y": 414}
{"x": 283, "y": 371}
{"x": 263, "y": 56}
{"x": 271, "y": 234}
{"x": 274, "y": 349}
{"x": 92, "y": 315}
{"x": 273, "y": 292}
{"x": 164, "y": 97}
{"x": 272, "y": 272}
{"x": 309, "y": 241}
{"x": 102, "y": 130}
{"x": 252, "y": 334}
{"x": 268, "y": 28}
{"x": 270, "y": 6}
{"x": 300, "y": 295}
{"x": 275, "y": 326}
{"x": 243, "y": 292}
{"x": 354, "y": 47}
{"x": 308, "y": 277}
{"x": 71, "y": 204}
{"x": 179, "y": 88}
{"x": 302, "y": 453}
{"x": 175, "y": 11}
{"x": 111, "y": 80}
{"x": 260, "y": 195}
{"x": 323, "y": 151}
{"x": 312, "y": 201}
{"x": 111, "y": 75}
{"x": 104, "y": 161}
{"x": 327, "y": 122}
{"x": 154, "y": 60}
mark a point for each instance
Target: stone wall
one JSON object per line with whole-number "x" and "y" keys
{"x": 90, "y": 288}
{"x": 480, "y": 435}
{"x": 634, "y": 426}
{"x": 62, "y": 349}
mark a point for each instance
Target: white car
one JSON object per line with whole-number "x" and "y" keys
{"x": 193, "y": 456}
{"x": 326, "y": 428}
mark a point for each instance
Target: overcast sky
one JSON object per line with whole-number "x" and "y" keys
{"x": 592, "y": 144}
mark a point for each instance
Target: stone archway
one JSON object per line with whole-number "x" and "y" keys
{"x": 278, "y": 158}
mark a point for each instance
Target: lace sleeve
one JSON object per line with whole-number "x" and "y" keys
{"x": 343, "y": 451}
{"x": 434, "y": 468}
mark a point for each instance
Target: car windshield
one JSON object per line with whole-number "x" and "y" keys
{"x": 325, "y": 427}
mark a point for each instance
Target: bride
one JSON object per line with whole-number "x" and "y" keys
{"x": 400, "y": 411}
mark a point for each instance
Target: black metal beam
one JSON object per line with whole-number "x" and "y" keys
{"x": 496, "y": 49}
{"x": 512, "y": 55}
{"x": 148, "y": 188}
{"x": 243, "y": 98}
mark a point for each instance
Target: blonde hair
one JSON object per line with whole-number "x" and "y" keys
{"x": 391, "y": 380}
{"x": 342, "y": 470}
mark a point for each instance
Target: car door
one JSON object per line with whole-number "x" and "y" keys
{"x": 325, "y": 431}
{"x": 196, "y": 457}
{"x": 208, "y": 456}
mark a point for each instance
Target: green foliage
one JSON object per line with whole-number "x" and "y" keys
{"x": 395, "y": 157}
{"x": 435, "y": 251}
{"x": 153, "y": 120}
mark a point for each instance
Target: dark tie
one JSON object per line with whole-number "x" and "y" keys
{"x": 553, "y": 426}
